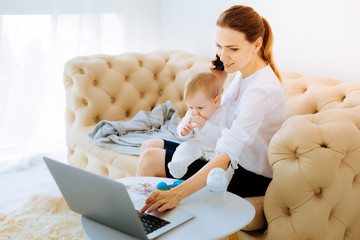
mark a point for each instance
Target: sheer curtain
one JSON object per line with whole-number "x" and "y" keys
{"x": 33, "y": 50}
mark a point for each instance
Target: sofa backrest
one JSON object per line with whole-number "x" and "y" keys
{"x": 116, "y": 87}
{"x": 312, "y": 94}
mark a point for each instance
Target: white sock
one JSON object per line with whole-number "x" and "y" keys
{"x": 177, "y": 170}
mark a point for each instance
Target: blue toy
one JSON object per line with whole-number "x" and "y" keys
{"x": 163, "y": 186}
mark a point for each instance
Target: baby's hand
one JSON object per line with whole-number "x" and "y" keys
{"x": 186, "y": 129}
{"x": 198, "y": 121}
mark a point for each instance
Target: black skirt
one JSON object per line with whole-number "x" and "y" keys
{"x": 244, "y": 183}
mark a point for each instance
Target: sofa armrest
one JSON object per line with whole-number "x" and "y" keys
{"x": 316, "y": 183}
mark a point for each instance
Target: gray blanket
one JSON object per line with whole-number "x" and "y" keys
{"x": 127, "y": 136}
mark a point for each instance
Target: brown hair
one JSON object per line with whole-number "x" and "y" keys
{"x": 244, "y": 19}
{"x": 206, "y": 82}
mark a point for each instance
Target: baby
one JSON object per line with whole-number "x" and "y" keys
{"x": 201, "y": 125}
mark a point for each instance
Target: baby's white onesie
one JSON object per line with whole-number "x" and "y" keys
{"x": 199, "y": 143}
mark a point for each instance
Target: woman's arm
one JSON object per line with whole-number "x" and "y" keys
{"x": 161, "y": 201}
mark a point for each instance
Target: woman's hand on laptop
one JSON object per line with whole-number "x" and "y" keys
{"x": 161, "y": 201}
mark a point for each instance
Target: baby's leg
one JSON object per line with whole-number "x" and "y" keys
{"x": 185, "y": 154}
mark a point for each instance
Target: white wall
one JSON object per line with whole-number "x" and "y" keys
{"x": 135, "y": 22}
{"x": 319, "y": 37}
{"x": 311, "y": 36}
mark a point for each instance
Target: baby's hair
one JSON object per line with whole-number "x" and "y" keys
{"x": 206, "y": 82}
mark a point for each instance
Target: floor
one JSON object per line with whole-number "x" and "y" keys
{"x": 27, "y": 178}
{"x": 30, "y": 177}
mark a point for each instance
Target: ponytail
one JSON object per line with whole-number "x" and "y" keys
{"x": 267, "y": 48}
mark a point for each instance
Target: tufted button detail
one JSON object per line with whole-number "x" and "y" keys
{"x": 85, "y": 161}
{"x": 142, "y": 95}
{"x": 85, "y": 102}
{"x": 289, "y": 211}
{"x": 318, "y": 190}
{"x": 71, "y": 116}
{"x": 94, "y": 83}
{"x": 105, "y": 171}
{"x": 357, "y": 179}
{"x": 324, "y": 145}
{"x": 161, "y": 92}
{"x": 82, "y": 71}
{"x": 296, "y": 157}
{"x": 126, "y": 78}
{"x": 71, "y": 151}
{"x": 109, "y": 64}
{"x": 112, "y": 100}
{"x": 140, "y": 63}
{"x": 96, "y": 119}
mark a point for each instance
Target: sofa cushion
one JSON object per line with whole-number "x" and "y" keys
{"x": 313, "y": 94}
{"x": 97, "y": 159}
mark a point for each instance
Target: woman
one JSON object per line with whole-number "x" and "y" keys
{"x": 244, "y": 43}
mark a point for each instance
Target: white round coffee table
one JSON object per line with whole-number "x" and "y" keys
{"x": 210, "y": 221}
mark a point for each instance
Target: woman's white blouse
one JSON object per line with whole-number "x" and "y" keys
{"x": 257, "y": 110}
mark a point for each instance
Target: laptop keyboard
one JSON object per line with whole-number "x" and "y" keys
{"x": 151, "y": 223}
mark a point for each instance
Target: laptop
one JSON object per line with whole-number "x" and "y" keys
{"x": 107, "y": 202}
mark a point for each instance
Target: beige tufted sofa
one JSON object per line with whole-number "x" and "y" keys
{"x": 115, "y": 88}
{"x": 315, "y": 156}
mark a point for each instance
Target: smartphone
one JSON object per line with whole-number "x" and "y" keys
{"x": 219, "y": 65}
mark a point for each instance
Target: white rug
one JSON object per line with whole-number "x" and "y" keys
{"x": 32, "y": 208}
{"x": 43, "y": 217}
